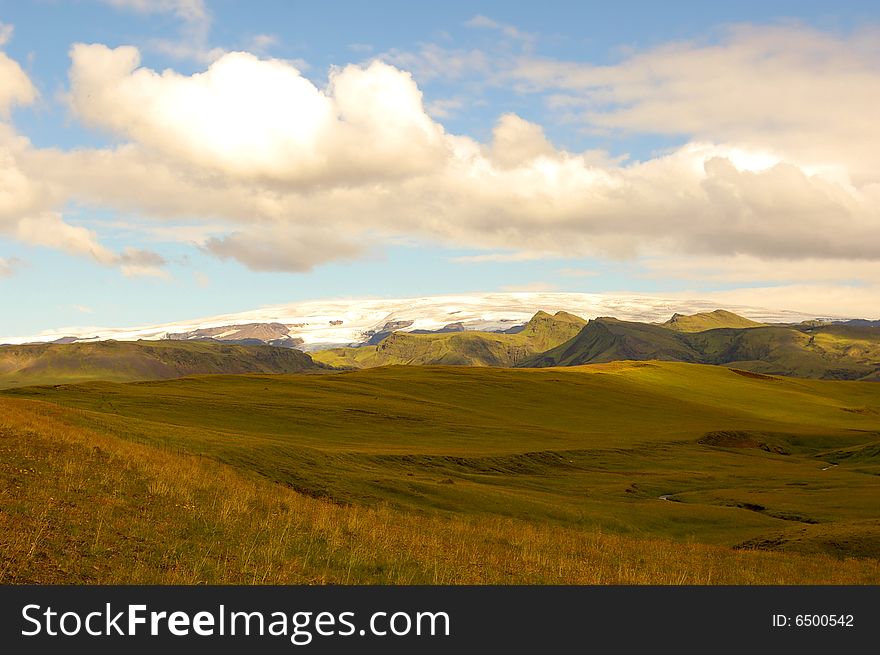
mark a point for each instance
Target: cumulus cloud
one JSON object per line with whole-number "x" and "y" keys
{"x": 260, "y": 118}
{"x": 253, "y": 141}
{"x": 516, "y": 142}
{"x": 27, "y": 206}
{"x": 28, "y": 199}
{"x": 49, "y": 229}
{"x": 16, "y": 87}
{"x": 300, "y": 174}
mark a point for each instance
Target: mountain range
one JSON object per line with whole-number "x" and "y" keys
{"x": 842, "y": 352}
{"x": 837, "y": 351}
{"x": 321, "y": 324}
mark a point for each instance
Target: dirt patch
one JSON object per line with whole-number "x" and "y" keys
{"x": 739, "y": 439}
{"x": 750, "y": 374}
{"x": 864, "y": 411}
{"x": 762, "y": 543}
{"x": 729, "y": 439}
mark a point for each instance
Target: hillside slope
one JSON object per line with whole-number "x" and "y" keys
{"x": 475, "y": 348}
{"x": 95, "y": 508}
{"x": 649, "y": 449}
{"x": 700, "y": 322}
{"x": 835, "y": 352}
{"x": 129, "y": 361}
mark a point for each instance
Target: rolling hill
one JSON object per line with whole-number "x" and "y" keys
{"x": 128, "y": 361}
{"x": 451, "y": 470}
{"x": 472, "y": 348}
{"x": 827, "y": 351}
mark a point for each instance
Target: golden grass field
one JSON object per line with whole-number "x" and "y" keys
{"x": 80, "y": 504}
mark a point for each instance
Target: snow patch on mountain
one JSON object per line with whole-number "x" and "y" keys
{"x": 342, "y": 322}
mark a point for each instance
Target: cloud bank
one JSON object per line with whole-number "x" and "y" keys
{"x": 778, "y": 161}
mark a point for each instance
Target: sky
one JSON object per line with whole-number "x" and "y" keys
{"x": 168, "y": 159}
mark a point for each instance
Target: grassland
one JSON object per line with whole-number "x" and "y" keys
{"x": 625, "y": 472}
{"x": 82, "y": 506}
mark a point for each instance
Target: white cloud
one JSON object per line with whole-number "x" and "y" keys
{"x": 516, "y": 142}
{"x": 261, "y": 119}
{"x": 252, "y": 141}
{"x": 799, "y": 92}
{"x": 188, "y": 10}
{"x": 283, "y": 248}
{"x": 5, "y": 33}
{"x": 432, "y": 61}
{"x": 134, "y": 262}
{"x": 192, "y": 42}
{"x": 444, "y": 107}
{"x": 9, "y": 266}
{"x": 820, "y": 300}
{"x": 742, "y": 269}
{"x": 510, "y": 31}
{"x": 296, "y": 175}
{"x": 262, "y": 43}
{"x": 16, "y": 87}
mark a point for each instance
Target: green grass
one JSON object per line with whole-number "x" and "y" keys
{"x": 739, "y": 456}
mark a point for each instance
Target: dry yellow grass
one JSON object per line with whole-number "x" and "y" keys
{"x": 78, "y": 506}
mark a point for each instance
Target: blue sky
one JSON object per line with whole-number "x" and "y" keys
{"x": 646, "y": 147}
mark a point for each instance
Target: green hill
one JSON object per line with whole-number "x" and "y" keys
{"x": 608, "y": 340}
{"x": 719, "y": 318}
{"x": 826, "y": 352}
{"x": 127, "y": 361}
{"x": 471, "y": 348}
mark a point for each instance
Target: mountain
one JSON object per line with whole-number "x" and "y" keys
{"x": 859, "y": 322}
{"x": 127, "y": 361}
{"x": 702, "y": 321}
{"x": 333, "y": 323}
{"x": 608, "y": 340}
{"x": 461, "y": 348}
{"x": 247, "y": 334}
{"x": 826, "y": 351}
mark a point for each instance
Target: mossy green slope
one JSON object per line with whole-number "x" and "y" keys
{"x": 720, "y": 318}
{"x": 826, "y": 352}
{"x": 471, "y": 348}
{"x": 125, "y": 361}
